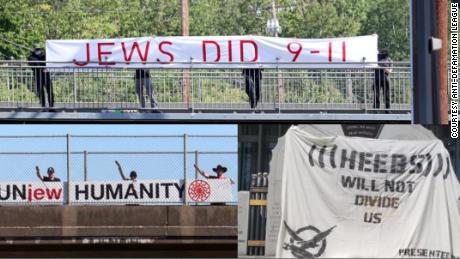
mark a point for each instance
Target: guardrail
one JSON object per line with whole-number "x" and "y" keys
{"x": 209, "y": 90}
{"x": 90, "y": 159}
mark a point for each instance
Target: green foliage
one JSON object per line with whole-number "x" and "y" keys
{"x": 25, "y": 22}
{"x": 390, "y": 20}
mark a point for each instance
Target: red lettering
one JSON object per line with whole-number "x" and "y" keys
{"x": 296, "y": 51}
{"x": 100, "y": 53}
{"x": 230, "y": 58}
{"x": 344, "y": 51}
{"x": 53, "y": 193}
{"x": 171, "y": 57}
{"x": 330, "y": 52}
{"x": 204, "y": 50}
{"x": 83, "y": 63}
{"x": 256, "y": 51}
{"x": 39, "y": 194}
{"x": 143, "y": 58}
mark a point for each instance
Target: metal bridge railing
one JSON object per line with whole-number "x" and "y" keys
{"x": 217, "y": 90}
{"x": 82, "y": 158}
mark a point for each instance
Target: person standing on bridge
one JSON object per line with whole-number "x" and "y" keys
{"x": 142, "y": 80}
{"x": 132, "y": 174}
{"x": 51, "y": 175}
{"x": 381, "y": 79}
{"x": 252, "y": 78}
{"x": 42, "y": 77}
{"x": 219, "y": 170}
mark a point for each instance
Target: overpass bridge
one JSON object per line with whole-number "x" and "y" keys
{"x": 119, "y": 231}
{"x": 204, "y": 95}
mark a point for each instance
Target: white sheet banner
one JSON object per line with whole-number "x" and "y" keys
{"x": 212, "y": 51}
{"x": 31, "y": 193}
{"x": 359, "y": 197}
{"x": 150, "y": 192}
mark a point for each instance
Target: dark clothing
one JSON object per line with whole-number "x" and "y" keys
{"x": 142, "y": 79}
{"x": 381, "y": 81}
{"x": 47, "y": 179}
{"x": 42, "y": 78}
{"x": 142, "y": 73}
{"x": 252, "y": 78}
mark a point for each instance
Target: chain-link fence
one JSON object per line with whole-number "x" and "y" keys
{"x": 86, "y": 159}
{"x": 211, "y": 90}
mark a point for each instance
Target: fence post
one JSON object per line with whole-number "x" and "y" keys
{"x": 68, "y": 168}
{"x": 196, "y": 163}
{"x": 74, "y": 88}
{"x": 85, "y": 165}
{"x": 185, "y": 169}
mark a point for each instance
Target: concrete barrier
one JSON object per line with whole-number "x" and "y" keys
{"x": 169, "y": 222}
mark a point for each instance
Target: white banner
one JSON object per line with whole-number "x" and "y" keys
{"x": 31, "y": 193}
{"x": 150, "y": 192}
{"x": 359, "y": 197}
{"x": 212, "y": 51}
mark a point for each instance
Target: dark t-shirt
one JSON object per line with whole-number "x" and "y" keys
{"x": 47, "y": 179}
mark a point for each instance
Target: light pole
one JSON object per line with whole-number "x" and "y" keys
{"x": 273, "y": 28}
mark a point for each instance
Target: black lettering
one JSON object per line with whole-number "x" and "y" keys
{"x": 19, "y": 192}
{"x": 78, "y": 192}
{"x": 347, "y": 182}
{"x": 400, "y": 186}
{"x": 101, "y": 192}
{"x": 389, "y": 185}
{"x": 131, "y": 191}
{"x": 439, "y": 169}
{"x": 321, "y": 156}
{"x": 410, "y": 185}
{"x": 166, "y": 185}
{"x": 180, "y": 189}
{"x": 332, "y": 157}
{"x": 370, "y": 217}
{"x": 148, "y": 191}
{"x": 117, "y": 194}
{"x": 428, "y": 167}
{"x": 398, "y": 163}
{"x": 363, "y": 161}
{"x": 448, "y": 168}
{"x": 380, "y": 160}
{"x": 418, "y": 165}
{"x": 6, "y": 193}
{"x": 310, "y": 155}
{"x": 374, "y": 186}
{"x": 351, "y": 160}
{"x": 157, "y": 190}
{"x": 359, "y": 200}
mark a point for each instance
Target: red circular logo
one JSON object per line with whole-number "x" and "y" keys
{"x": 199, "y": 190}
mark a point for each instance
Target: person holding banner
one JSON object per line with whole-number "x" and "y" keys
{"x": 381, "y": 79}
{"x": 219, "y": 170}
{"x": 142, "y": 80}
{"x": 252, "y": 78}
{"x": 51, "y": 175}
{"x": 132, "y": 174}
{"x": 41, "y": 75}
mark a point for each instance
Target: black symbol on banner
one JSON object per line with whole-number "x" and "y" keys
{"x": 299, "y": 246}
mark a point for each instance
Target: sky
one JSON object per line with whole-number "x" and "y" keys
{"x": 17, "y": 166}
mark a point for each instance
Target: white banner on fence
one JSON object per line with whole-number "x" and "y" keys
{"x": 31, "y": 193}
{"x": 366, "y": 198}
{"x": 150, "y": 192}
{"x": 212, "y": 51}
